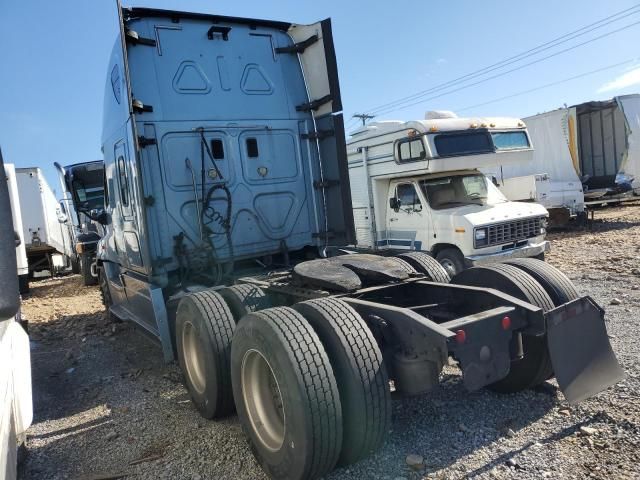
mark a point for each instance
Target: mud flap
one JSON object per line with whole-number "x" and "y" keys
{"x": 582, "y": 358}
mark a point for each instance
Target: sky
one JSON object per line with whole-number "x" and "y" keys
{"x": 53, "y": 61}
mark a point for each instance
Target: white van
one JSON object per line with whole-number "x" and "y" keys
{"x": 417, "y": 186}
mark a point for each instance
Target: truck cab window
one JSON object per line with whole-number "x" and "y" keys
{"x": 124, "y": 183}
{"x": 451, "y": 144}
{"x": 510, "y": 140}
{"x": 459, "y": 190}
{"x": 407, "y": 197}
{"x": 411, "y": 150}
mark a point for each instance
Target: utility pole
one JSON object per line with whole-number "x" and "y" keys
{"x": 363, "y": 116}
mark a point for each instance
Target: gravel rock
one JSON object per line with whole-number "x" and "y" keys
{"x": 415, "y": 461}
{"x": 159, "y": 436}
{"x": 615, "y": 301}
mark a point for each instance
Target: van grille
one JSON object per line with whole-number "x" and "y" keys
{"x": 509, "y": 232}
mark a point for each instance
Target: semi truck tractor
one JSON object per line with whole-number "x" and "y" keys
{"x": 227, "y": 183}
{"x": 83, "y": 195}
{"x": 417, "y": 186}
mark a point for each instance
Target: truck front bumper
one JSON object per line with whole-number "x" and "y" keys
{"x": 530, "y": 250}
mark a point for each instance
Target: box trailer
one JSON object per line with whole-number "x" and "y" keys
{"x": 606, "y": 142}
{"x": 21, "y": 251}
{"x": 550, "y": 178}
{"x": 416, "y": 186}
{"x": 47, "y": 241}
{"x": 226, "y": 182}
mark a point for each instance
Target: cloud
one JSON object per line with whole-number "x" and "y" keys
{"x": 441, "y": 60}
{"x": 627, "y": 79}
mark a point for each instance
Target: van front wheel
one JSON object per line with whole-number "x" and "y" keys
{"x": 452, "y": 261}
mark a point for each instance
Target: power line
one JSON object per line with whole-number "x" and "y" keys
{"x": 541, "y": 87}
{"x": 409, "y": 103}
{"x": 516, "y": 58}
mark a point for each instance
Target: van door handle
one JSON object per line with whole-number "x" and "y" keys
{"x": 393, "y": 219}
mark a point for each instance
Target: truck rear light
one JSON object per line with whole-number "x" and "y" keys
{"x": 506, "y": 323}
{"x": 461, "y": 336}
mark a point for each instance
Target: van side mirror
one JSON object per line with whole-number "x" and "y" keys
{"x": 394, "y": 203}
{"x": 9, "y": 296}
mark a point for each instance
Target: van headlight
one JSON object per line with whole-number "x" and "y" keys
{"x": 480, "y": 237}
{"x": 543, "y": 225}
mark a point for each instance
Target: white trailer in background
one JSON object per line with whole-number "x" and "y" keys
{"x": 46, "y": 240}
{"x": 550, "y": 179}
{"x": 605, "y": 137}
{"x": 21, "y": 251}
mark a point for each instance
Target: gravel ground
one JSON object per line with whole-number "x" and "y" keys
{"x": 107, "y": 407}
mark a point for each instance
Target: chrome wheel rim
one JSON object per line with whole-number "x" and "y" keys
{"x": 263, "y": 400}
{"x": 448, "y": 266}
{"x": 193, "y": 357}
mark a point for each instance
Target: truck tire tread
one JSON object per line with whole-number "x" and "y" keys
{"x": 362, "y": 379}
{"x": 244, "y": 298}
{"x": 220, "y": 325}
{"x": 427, "y": 265}
{"x": 313, "y": 371}
{"x": 556, "y": 284}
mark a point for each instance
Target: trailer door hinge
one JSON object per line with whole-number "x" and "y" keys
{"x": 140, "y": 107}
{"x": 314, "y": 104}
{"x": 325, "y": 184}
{"x": 149, "y": 201}
{"x": 145, "y": 142}
{"x": 318, "y": 135}
{"x": 299, "y": 47}
{"x": 135, "y": 39}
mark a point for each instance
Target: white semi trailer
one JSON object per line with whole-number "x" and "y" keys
{"x": 550, "y": 179}
{"x": 417, "y": 186}
{"x": 47, "y": 241}
{"x": 21, "y": 251}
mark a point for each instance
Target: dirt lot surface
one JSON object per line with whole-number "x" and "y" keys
{"x": 106, "y": 406}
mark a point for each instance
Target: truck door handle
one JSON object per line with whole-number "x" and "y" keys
{"x": 393, "y": 219}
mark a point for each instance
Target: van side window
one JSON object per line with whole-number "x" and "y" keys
{"x": 408, "y": 196}
{"x": 124, "y": 182}
{"x": 411, "y": 149}
{"x": 252, "y": 147}
{"x": 217, "y": 149}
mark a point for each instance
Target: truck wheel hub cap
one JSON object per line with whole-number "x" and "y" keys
{"x": 263, "y": 400}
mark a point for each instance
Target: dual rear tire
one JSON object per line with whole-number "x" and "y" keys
{"x": 309, "y": 384}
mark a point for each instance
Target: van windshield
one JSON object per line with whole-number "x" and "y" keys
{"x": 460, "y": 190}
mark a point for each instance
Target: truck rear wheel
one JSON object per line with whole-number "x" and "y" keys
{"x": 244, "y": 298}
{"x": 535, "y": 366}
{"x": 204, "y": 328}
{"x": 85, "y": 268}
{"x": 286, "y": 394}
{"x": 426, "y": 264}
{"x": 556, "y": 284}
{"x": 362, "y": 379}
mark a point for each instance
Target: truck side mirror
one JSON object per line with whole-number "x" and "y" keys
{"x": 99, "y": 215}
{"x": 394, "y": 203}
{"x": 9, "y": 296}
